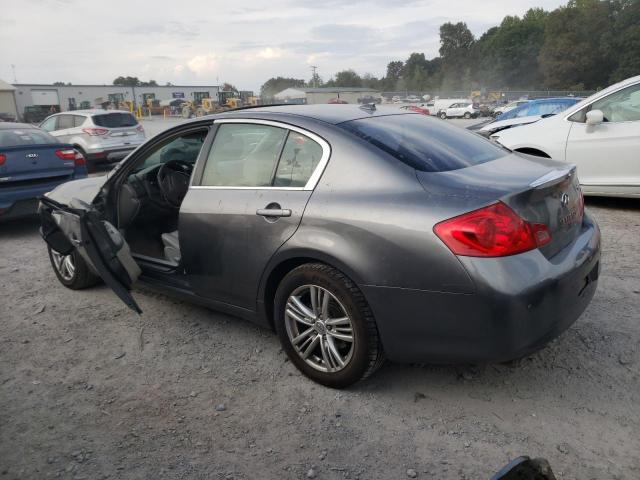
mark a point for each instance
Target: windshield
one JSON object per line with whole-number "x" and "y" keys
{"x": 25, "y": 136}
{"x": 424, "y": 143}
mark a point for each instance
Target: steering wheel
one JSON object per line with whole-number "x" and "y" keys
{"x": 173, "y": 181}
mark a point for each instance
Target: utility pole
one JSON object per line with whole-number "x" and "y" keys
{"x": 13, "y": 67}
{"x": 313, "y": 75}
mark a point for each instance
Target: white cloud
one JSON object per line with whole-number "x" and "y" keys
{"x": 244, "y": 43}
{"x": 202, "y": 64}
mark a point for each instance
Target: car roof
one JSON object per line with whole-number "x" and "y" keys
{"x": 329, "y": 113}
{"x": 92, "y": 111}
{"x": 12, "y": 125}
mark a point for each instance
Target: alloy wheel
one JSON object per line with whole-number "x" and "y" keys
{"x": 319, "y": 328}
{"x": 64, "y": 265}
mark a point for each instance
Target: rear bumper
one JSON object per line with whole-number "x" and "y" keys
{"x": 22, "y": 200}
{"x": 520, "y": 304}
{"x": 109, "y": 155}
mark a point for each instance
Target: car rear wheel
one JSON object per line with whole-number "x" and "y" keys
{"x": 326, "y": 327}
{"x": 72, "y": 270}
{"x": 443, "y": 115}
{"x": 467, "y": 115}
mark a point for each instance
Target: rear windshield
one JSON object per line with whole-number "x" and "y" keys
{"x": 25, "y": 136}
{"x": 115, "y": 120}
{"x": 424, "y": 143}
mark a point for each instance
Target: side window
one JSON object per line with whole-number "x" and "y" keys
{"x": 65, "y": 121}
{"x": 78, "y": 120}
{"x": 49, "y": 125}
{"x": 298, "y": 161}
{"x": 243, "y": 155}
{"x": 185, "y": 148}
{"x": 621, "y": 106}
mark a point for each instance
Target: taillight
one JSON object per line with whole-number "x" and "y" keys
{"x": 493, "y": 231}
{"x": 66, "y": 154}
{"x": 71, "y": 154}
{"x": 3, "y": 158}
{"x": 95, "y": 131}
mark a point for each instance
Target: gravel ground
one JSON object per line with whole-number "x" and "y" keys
{"x": 89, "y": 390}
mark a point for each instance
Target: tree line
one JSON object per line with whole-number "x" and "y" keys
{"x": 585, "y": 44}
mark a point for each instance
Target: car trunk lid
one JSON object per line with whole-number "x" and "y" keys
{"x": 540, "y": 191}
{"x": 33, "y": 162}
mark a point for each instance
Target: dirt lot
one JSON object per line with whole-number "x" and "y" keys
{"x": 90, "y": 390}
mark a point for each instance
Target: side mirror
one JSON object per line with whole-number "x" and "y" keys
{"x": 595, "y": 117}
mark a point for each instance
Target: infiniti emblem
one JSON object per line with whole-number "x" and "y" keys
{"x": 564, "y": 199}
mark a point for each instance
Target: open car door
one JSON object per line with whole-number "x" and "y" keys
{"x": 80, "y": 226}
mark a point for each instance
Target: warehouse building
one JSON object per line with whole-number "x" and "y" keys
{"x": 324, "y": 94}
{"x": 74, "y": 97}
{"x": 8, "y": 107}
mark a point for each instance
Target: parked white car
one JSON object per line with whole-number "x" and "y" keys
{"x": 601, "y": 135}
{"x": 459, "y": 110}
{"x": 435, "y": 106}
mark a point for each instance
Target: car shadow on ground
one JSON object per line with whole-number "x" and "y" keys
{"x": 613, "y": 202}
{"x": 20, "y": 226}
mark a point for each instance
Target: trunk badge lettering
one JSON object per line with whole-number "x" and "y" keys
{"x": 564, "y": 199}
{"x": 32, "y": 155}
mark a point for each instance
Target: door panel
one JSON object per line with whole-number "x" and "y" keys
{"x": 226, "y": 244}
{"x": 96, "y": 240}
{"x": 250, "y": 192}
{"x": 606, "y": 154}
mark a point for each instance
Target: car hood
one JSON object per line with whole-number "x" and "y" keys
{"x": 511, "y": 122}
{"x": 84, "y": 189}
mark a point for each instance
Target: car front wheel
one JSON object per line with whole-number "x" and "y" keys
{"x": 72, "y": 270}
{"x": 326, "y": 327}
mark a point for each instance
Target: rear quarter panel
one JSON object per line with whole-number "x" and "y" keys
{"x": 370, "y": 217}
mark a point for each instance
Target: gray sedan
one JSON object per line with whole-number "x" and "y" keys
{"x": 356, "y": 233}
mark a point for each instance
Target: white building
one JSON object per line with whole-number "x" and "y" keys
{"x": 74, "y": 97}
{"x": 7, "y": 100}
{"x": 324, "y": 94}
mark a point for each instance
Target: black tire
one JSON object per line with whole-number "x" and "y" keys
{"x": 367, "y": 354}
{"x": 467, "y": 115}
{"x": 443, "y": 115}
{"x": 82, "y": 277}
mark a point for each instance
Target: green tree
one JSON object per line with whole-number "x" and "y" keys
{"x": 622, "y": 43}
{"x": 573, "y": 52}
{"x": 456, "y": 43}
{"x": 277, "y": 84}
{"x": 345, "y": 78}
{"x": 394, "y": 74}
{"x": 134, "y": 82}
{"x": 315, "y": 81}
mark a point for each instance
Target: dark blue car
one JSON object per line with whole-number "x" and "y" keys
{"x": 32, "y": 162}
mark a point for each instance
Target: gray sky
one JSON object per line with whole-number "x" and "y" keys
{"x": 244, "y": 42}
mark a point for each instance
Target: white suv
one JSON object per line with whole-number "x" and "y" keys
{"x": 459, "y": 110}
{"x": 600, "y": 135}
{"x": 102, "y": 136}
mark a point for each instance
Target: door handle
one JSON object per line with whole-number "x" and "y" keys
{"x": 273, "y": 212}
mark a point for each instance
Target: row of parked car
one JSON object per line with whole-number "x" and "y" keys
{"x": 36, "y": 159}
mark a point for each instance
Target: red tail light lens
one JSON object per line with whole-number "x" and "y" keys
{"x": 95, "y": 131}
{"x": 3, "y": 158}
{"x": 66, "y": 154}
{"x": 493, "y": 231}
{"x": 71, "y": 154}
